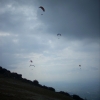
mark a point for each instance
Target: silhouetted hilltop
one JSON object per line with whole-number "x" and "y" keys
{"x": 6, "y": 73}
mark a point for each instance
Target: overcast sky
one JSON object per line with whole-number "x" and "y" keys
{"x": 26, "y": 34}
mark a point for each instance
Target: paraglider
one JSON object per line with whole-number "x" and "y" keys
{"x": 58, "y": 35}
{"x": 42, "y": 8}
{"x": 80, "y": 66}
{"x": 31, "y": 62}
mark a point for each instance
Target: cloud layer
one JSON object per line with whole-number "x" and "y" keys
{"x": 27, "y": 35}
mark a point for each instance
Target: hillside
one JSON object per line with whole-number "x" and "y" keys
{"x": 16, "y": 89}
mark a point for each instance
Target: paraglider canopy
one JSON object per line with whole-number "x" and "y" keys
{"x": 32, "y": 65}
{"x": 58, "y": 34}
{"x": 42, "y": 8}
{"x": 31, "y": 62}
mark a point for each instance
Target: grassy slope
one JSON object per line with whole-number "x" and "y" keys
{"x": 12, "y": 89}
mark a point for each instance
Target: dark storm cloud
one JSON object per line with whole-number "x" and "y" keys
{"x": 27, "y": 35}
{"x": 72, "y": 18}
